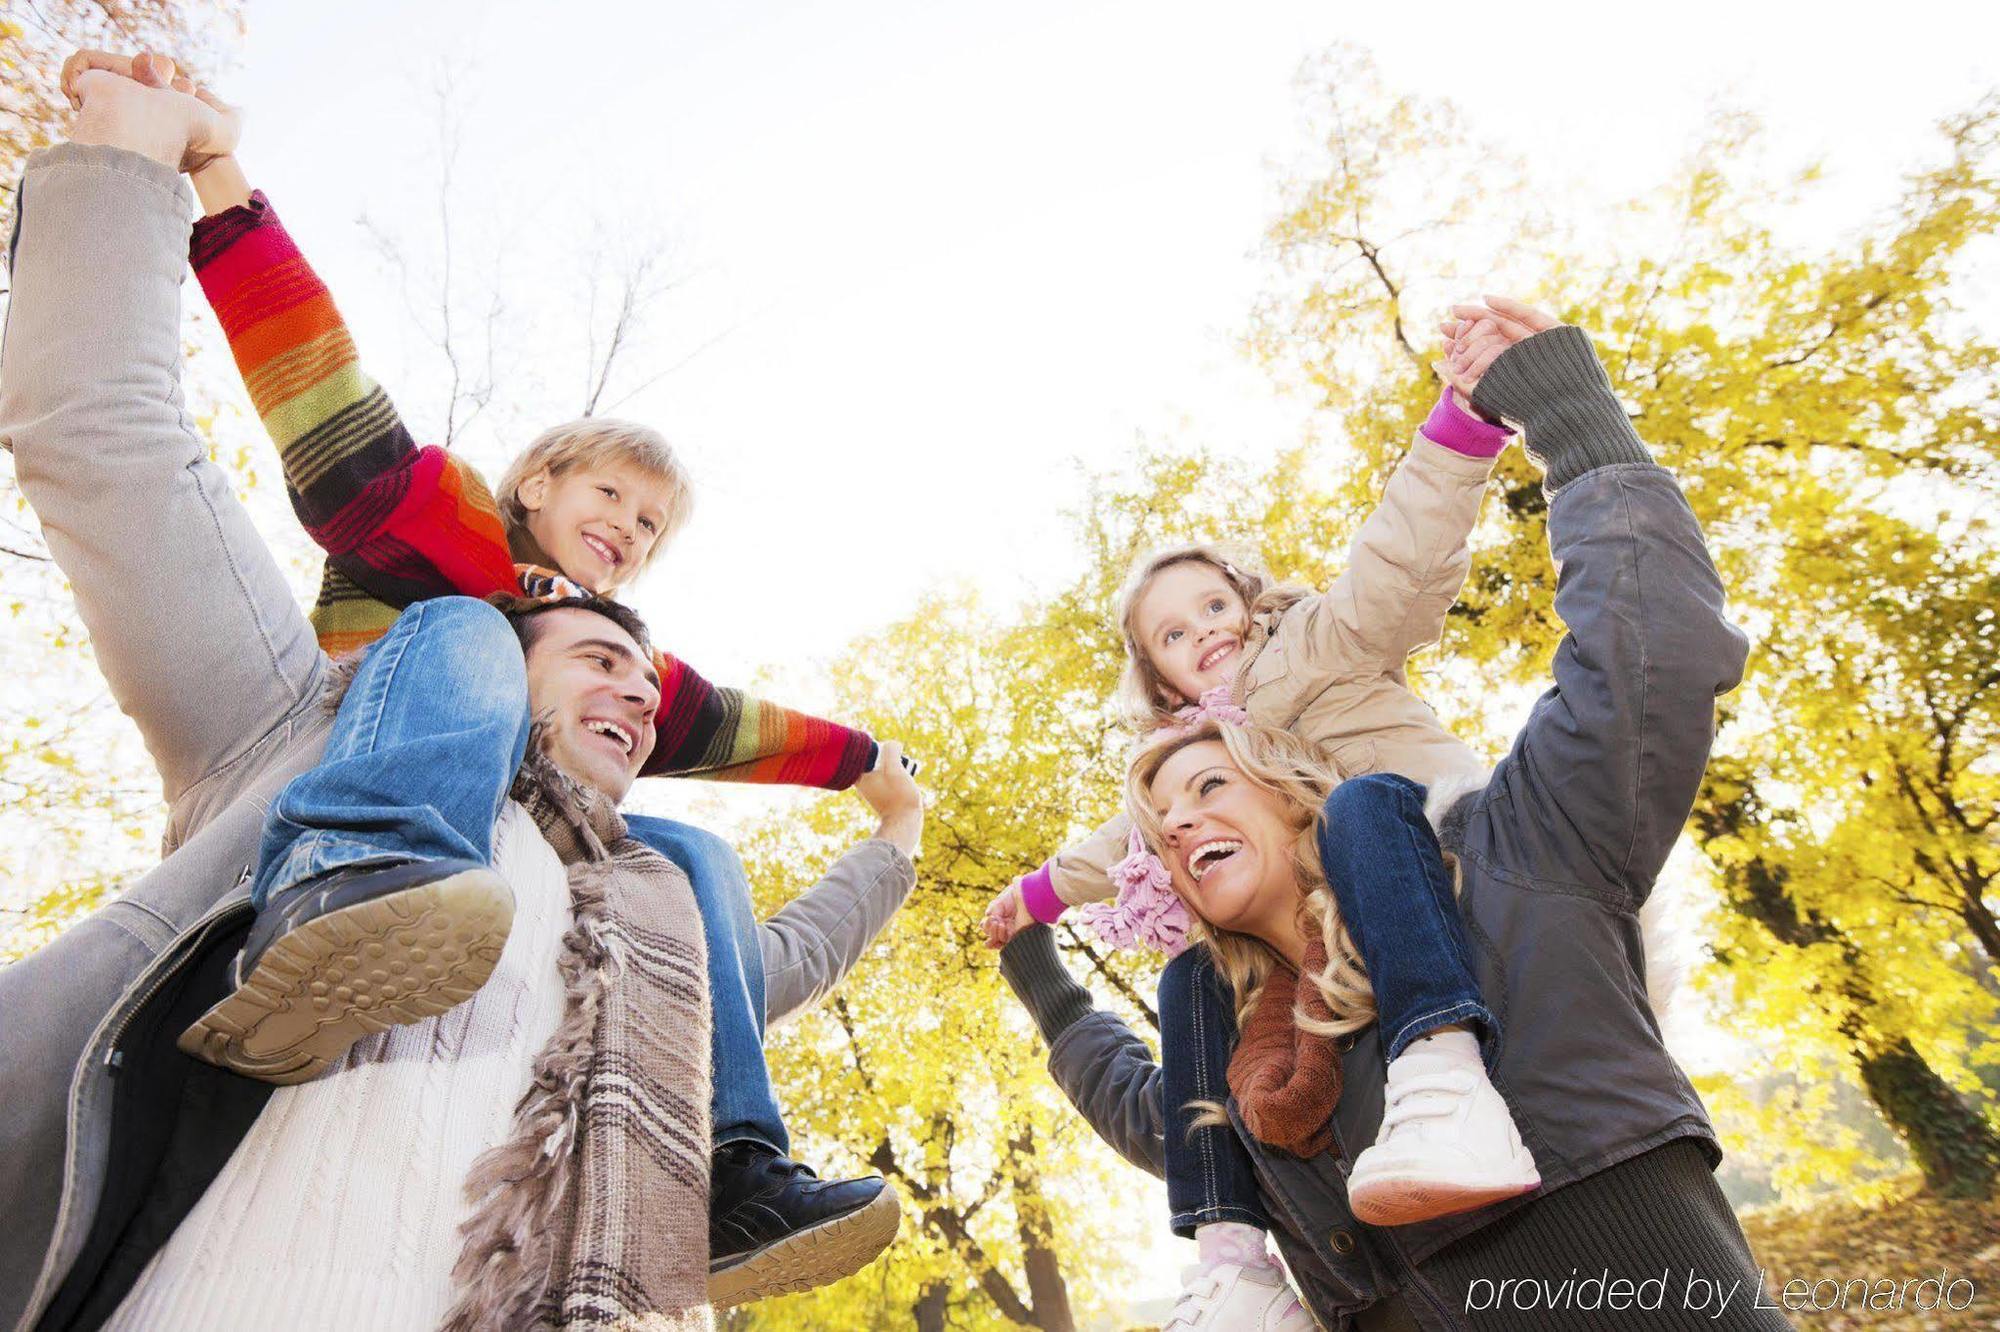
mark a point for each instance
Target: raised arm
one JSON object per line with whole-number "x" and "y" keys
{"x": 815, "y": 939}
{"x": 1407, "y": 563}
{"x": 191, "y": 619}
{"x": 1107, "y": 1073}
{"x": 1077, "y": 875}
{"x": 402, "y": 523}
{"x": 722, "y": 734}
{"x": 1602, "y": 777}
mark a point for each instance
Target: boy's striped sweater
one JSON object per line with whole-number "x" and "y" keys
{"x": 400, "y": 523}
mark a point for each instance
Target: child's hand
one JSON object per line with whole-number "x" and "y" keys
{"x": 1478, "y": 332}
{"x": 1006, "y": 917}
{"x": 892, "y": 793}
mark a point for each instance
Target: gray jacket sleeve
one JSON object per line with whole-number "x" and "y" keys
{"x": 815, "y": 939}
{"x": 1602, "y": 777}
{"x": 1107, "y": 1072}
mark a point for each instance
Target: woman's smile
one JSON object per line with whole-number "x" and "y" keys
{"x": 1205, "y": 858}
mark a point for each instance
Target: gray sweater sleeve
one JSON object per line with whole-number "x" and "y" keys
{"x": 1600, "y": 780}
{"x": 1552, "y": 386}
{"x": 815, "y": 939}
{"x": 1107, "y": 1072}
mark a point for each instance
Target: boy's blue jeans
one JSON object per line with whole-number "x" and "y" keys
{"x": 418, "y": 766}
{"x": 1389, "y": 878}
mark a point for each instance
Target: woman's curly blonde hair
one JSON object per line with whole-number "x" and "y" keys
{"x": 1300, "y": 775}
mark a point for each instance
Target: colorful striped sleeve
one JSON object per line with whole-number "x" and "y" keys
{"x": 399, "y": 522}
{"x": 727, "y": 735}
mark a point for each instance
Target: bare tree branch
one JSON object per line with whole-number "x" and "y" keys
{"x": 470, "y": 376}
{"x": 640, "y": 285}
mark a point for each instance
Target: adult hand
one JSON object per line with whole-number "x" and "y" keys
{"x": 1476, "y": 335}
{"x": 1006, "y": 917}
{"x": 144, "y": 103}
{"x": 892, "y": 793}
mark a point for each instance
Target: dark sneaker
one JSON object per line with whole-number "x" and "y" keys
{"x": 350, "y": 953}
{"x": 775, "y": 1228}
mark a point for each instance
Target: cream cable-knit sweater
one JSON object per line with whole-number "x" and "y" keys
{"x": 341, "y": 1207}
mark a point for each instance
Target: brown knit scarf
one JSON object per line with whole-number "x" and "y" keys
{"x": 1287, "y": 1082}
{"x": 594, "y": 1212}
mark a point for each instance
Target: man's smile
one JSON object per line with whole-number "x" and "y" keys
{"x": 619, "y": 733}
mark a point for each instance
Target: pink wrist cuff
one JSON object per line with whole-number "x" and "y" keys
{"x": 1451, "y": 426}
{"x": 1038, "y": 893}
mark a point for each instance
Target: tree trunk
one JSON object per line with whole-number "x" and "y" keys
{"x": 932, "y": 1306}
{"x": 1951, "y": 1142}
{"x": 1047, "y": 1291}
{"x": 1983, "y": 926}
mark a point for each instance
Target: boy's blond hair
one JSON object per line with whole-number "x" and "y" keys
{"x": 599, "y": 439}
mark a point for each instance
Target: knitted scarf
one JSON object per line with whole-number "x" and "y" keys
{"x": 594, "y": 1212}
{"x": 1286, "y": 1081}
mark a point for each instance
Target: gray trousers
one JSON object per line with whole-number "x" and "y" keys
{"x": 193, "y": 625}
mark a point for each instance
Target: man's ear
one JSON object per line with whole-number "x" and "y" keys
{"x": 533, "y": 492}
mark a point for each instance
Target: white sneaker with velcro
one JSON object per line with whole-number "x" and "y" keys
{"x": 1447, "y": 1144}
{"x": 1230, "y": 1297}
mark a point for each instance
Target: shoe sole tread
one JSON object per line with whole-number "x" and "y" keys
{"x": 319, "y": 988}
{"x": 1405, "y": 1199}
{"x": 810, "y": 1258}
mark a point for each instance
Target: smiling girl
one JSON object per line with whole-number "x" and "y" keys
{"x": 1330, "y": 931}
{"x": 1208, "y": 636}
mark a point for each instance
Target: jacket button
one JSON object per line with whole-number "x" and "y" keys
{"x": 1342, "y": 1242}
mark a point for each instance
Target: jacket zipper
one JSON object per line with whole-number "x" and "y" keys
{"x": 195, "y": 937}
{"x": 1239, "y": 688}
{"x": 38, "y": 1298}
{"x": 1413, "y": 1284}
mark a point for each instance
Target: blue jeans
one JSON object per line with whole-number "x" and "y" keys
{"x": 421, "y": 755}
{"x": 1209, "y": 1174}
{"x": 1387, "y": 872}
{"x": 418, "y": 766}
{"x": 743, "y": 1107}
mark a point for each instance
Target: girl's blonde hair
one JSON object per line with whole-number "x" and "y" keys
{"x": 1145, "y": 700}
{"x": 591, "y": 441}
{"x": 1301, "y": 776}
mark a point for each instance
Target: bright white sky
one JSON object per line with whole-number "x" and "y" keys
{"x": 950, "y": 249}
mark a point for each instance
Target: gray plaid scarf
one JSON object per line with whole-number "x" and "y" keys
{"x": 594, "y": 1212}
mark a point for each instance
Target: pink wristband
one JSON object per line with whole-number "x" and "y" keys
{"x": 1038, "y": 893}
{"x": 1451, "y": 426}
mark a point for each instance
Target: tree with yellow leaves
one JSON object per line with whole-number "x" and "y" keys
{"x": 1830, "y": 417}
